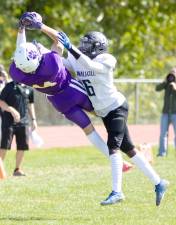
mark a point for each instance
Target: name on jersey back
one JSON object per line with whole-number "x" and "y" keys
{"x": 85, "y": 73}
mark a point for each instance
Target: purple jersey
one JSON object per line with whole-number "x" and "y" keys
{"x": 65, "y": 93}
{"x": 51, "y": 76}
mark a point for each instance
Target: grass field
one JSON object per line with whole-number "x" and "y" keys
{"x": 65, "y": 186}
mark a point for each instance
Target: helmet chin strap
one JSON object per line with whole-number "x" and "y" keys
{"x": 21, "y": 38}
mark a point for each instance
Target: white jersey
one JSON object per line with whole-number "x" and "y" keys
{"x": 97, "y": 77}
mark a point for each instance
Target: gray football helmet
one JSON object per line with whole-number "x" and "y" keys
{"x": 93, "y": 44}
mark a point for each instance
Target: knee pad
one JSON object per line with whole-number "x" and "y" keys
{"x": 115, "y": 134}
{"x": 117, "y": 125}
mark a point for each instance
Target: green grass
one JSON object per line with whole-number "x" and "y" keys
{"x": 65, "y": 186}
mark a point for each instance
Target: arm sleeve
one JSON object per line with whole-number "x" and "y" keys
{"x": 161, "y": 86}
{"x": 21, "y": 38}
{"x": 31, "y": 96}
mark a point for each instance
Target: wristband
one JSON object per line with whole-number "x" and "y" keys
{"x": 74, "y": 53}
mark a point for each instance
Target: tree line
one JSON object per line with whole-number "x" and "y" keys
{"x": 141, "y": 33}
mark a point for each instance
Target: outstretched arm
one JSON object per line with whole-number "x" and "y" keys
{"x": 21, "y": 37}
{"x": 57, "y": 46}
{"x": 55, "y": 36}
{"x": 32, "y": 20}
{"x": 50, "y": 32}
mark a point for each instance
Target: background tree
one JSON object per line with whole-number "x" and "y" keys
{"x": 141, "y": 32}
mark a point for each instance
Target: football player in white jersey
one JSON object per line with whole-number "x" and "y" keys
{"x": 94, "y": 66}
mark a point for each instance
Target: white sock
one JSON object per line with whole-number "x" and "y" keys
{"x": 146, "y": 168}
{"x": 116, "y": 167}
{"x": 99, "y": 143}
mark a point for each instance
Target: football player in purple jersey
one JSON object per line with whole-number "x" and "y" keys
{"x": 42, "y": 69}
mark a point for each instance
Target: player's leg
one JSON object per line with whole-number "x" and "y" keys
{"x": 71, "y": 96}
{"x": 114, "y": 123}
{"x": 139, "y": 160}
{"x": 82, "y": 102}
{"x": 22, "y": 140}
{"x": 79, "y": 117}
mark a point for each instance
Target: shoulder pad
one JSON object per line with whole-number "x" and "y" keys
{"x": 106, "y": 59}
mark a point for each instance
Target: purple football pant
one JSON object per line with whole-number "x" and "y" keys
{"x": 72, "y": 102}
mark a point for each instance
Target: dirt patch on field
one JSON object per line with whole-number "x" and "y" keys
{"x": 68, "y": 136}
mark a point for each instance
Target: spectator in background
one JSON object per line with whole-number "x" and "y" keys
{"x": 168, "y": 112}
{"x": 17, "y": 102}
{"x": 3, "y": 81}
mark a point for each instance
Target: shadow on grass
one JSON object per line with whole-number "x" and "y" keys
{"x": 26, "y": 219}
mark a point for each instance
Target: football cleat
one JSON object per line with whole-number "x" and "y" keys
{"x": 114, "y": 197}
{"x": 160, "y": 190}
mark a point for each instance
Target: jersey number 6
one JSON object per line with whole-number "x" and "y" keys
{"x": 89, "y": 88}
